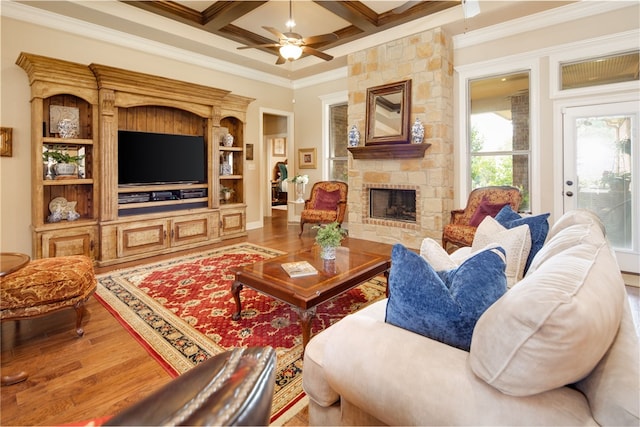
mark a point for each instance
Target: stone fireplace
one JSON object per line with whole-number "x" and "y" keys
{"x": 427, "y": 59}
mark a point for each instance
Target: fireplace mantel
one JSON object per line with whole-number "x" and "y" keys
{"x": 389, "y": 151}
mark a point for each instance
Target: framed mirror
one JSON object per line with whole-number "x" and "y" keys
{"x": 388, "y": 112}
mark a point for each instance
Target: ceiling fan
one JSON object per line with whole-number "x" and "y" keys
{"x": 292, "y": 45}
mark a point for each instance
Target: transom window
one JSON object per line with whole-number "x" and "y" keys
{"x": 622, "y": 67}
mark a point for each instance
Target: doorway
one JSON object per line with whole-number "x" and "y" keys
{"x": 601, "y": 172}
{"x": 277, "y": 135}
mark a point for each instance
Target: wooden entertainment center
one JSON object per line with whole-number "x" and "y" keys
{"x": 122, "y": 223}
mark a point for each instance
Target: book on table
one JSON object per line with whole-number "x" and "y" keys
{"x": 299, "y": 269}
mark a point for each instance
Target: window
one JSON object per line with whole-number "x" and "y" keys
{"x": 337, "y": 159}
{"x": 600, "y": 71}
{"x": 499, "y": 141}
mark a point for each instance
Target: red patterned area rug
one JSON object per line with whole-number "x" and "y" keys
{"x": 180, "y": 311}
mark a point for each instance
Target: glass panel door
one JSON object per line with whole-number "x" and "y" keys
{"x": 601, "y": 172}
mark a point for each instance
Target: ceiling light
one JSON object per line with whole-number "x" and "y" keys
{"x": 290, "y": 52}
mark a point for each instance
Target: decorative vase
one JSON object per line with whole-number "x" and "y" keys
{"x": 48, "y": 172}
{"x": 227, "y": 195}
{"x": 228, "y": 140}
{"x": 354, "y": 136}
{"x": 68, "y": 128}
{"x": 328, "y": 252}
{"x": 299, "y": 192}
{"x": 417, "y": 132}
{"x": 64, "y": 169}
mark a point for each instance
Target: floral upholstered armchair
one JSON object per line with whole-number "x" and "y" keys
{"x": 482, "y": 202}
{"x": 327, "y": 203}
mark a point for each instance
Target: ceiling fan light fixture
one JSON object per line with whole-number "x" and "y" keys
{"x": 290, "y": 52}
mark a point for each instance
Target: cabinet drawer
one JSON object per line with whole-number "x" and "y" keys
{"x": 74, "y": 241}
{"x": 232, "y": 221}
{"x": 192, "y": 229}
{"x": 137, "y": 238}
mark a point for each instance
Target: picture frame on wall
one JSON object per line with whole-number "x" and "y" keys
{"x": 307, "y": 158}
{"x": 279, "y": 147}
{"x": 6, "y": 142}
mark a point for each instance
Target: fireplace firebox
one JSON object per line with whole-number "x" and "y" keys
{"x": 392, "y": 204}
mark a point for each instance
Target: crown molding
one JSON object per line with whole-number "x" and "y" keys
{"x": 328, "y": 76}
{"x": 537, "y": 21}
{"x": 31, "y": 15}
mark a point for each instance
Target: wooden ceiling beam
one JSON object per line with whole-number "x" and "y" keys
{"x": 169, "y": 9}
{"x": 222, "y": 13}
{"x": 352, "y": 11}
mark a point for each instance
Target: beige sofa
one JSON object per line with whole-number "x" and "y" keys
{"x": 559, "y": 348}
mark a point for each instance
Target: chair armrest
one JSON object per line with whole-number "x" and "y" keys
{"x": 232, "y": 388}
{"x": 455, "y": 215}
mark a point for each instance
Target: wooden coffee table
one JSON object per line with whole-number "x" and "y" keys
{"x": 304, "y": 294}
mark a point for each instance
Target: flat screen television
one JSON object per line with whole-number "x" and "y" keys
{"x": 160, "y": 158}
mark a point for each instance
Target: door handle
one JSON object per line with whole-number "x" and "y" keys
{"x": 569, "y": 182}
{"x": 569, "y": 193}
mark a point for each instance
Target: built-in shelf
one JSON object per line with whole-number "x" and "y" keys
{"x": 389, "y": 151}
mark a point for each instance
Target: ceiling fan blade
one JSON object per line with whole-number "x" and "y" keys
{"x": 470, "y": 8}
{"x": 259, "y": 45}
{"x": 408, "y": 5}
{"x": 319, "y": 39}
{"x": 315, "y": 52}
{"x": 280, "y": 60}
{"x": 275, "y": 32}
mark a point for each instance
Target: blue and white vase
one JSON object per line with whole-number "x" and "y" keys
{"x": 417, "y": 132}
{"x": 354, "y": 136}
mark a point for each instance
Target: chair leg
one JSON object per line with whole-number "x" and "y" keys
{"x": 301, "y": 228}
{"x": 79, "y": 307}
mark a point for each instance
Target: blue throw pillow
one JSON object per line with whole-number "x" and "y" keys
{"x": 443, "y": 306}
{"x": 538, "y": 227}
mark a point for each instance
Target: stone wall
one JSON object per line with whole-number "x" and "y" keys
{"x": 426, "y": 59}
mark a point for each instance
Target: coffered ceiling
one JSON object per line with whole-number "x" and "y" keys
{"x": 216, "y": 29}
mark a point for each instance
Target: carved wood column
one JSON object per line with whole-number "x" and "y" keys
{"x": 109, "y": 150}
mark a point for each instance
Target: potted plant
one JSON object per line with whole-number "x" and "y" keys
{"x": 226, "y": 192}
{"x": 328, "y": 238}
{"x": 65, "y": 163}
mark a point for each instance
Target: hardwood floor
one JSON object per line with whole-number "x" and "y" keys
{"x": 73, "y": 379}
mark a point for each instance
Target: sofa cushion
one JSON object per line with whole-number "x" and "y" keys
{"x": 538, "y": 227}
{"x": 571, "y": 235}
{"x": 554, "y": 326}
{"x": 484, "y": 209}
{"x": 444, "y": 306}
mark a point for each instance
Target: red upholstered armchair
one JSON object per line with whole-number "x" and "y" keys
{"x": 327, "y": 203}
{"x": 482, "y": 202}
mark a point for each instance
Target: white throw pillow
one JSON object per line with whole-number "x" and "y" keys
{"x": 436, "y": 256}
{"x": 515, "y": 241}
